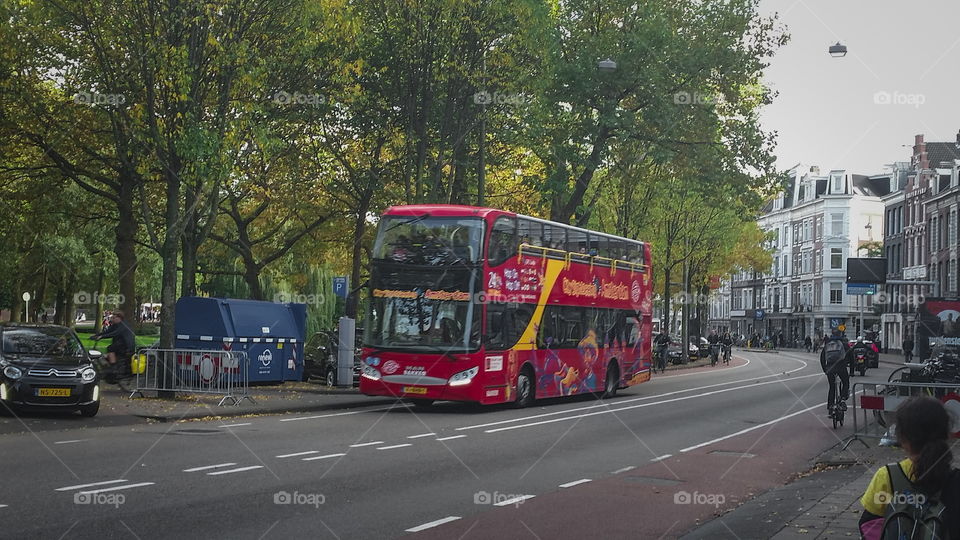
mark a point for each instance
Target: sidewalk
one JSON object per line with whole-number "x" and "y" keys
{"x": 823, "y": 502}
{"x": 290, "y": 397}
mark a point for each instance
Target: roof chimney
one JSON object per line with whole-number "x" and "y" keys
{"x": 816, "y": 170}
{"x": 958, "y": 139}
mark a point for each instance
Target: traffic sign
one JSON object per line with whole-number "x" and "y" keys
{"x": 340, "y": 287}
{"x": 861, "y": 289}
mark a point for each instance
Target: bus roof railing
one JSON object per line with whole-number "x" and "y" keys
{"x": 568, "y": 257}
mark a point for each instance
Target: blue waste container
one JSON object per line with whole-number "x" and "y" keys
{"x": 271, "y": 333}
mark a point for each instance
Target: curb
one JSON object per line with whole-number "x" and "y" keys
{"x": 234, "y": 411}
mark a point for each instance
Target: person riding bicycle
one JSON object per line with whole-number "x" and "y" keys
{"x": 858, "y": 348}
{"x": 714, "y": 340}
{"x": 122, "y": 345}
{"x": 727, "y": 343}
{"x": 834, "y": 359}
{"x": 662, "y": 341}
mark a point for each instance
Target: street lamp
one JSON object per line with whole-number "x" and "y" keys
{"x": 607, "y": 65}
{"x": 838, "y": 50}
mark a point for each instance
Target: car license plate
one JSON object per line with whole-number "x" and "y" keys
{"x": 414, "y": 390}
{"x": 53, "y": 392}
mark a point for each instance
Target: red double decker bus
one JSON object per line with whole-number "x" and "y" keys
{"x": 482, "y": 305}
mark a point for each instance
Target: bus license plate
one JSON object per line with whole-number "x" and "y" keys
{"x": 414, "y": 390}
{"x": 53, "y": 392}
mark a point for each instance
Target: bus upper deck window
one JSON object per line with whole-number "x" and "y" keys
{"x": 503, "y": 241}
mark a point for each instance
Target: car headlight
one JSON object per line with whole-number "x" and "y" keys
{"x": 88, "y": 374}
{"x": 371, "y": 372}
{"x": 12, "y": 372}
{"x": 464, "y": 377}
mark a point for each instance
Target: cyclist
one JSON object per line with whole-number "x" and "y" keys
{"x": 714, "y": 340}
{"x": 662, "y": 341}
{"x": 727, "y": 342}
{"x": 834, "y": 359}
{"x": 121, "y": 347}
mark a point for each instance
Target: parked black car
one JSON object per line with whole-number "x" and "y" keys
{"x": 320, "y": 358}
{"x": 45, "y": 366}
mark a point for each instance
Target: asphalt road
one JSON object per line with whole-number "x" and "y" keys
{"x": 563, "y": 468}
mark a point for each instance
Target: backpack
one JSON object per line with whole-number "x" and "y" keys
{"x": 912, "y": 515}
{"x": 833, "y": 353}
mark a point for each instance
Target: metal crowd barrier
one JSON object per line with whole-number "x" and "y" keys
{"x": 193, "y": 371}
{"x": 875, "y": 403}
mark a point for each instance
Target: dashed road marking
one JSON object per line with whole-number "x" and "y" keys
{"x": 661, "y": 458}
{"x": 575, "y": 483}
{"x": 450, "y": 438}
{"x": 328, "y": 456}
{"x": 749, "y": 429}
{"x": 117, "y": 488}
{"x": 422, "y": 435}
{"x": 514, "y": 500}
{"x": 81, "y": 486}
{"x": 623, "y": 470}
{"x": 436, "y": 523}
{"x": 298, "y": 454}
{"x": 394, "y": 446}
{"x": 70, "y": 441}
{"x": 332, "y": 415}
{"x": 236, "y": 425}
{"x": 230, "y": 471}
{"x": 360, "y": 445}
{"x": 208, "y": 467}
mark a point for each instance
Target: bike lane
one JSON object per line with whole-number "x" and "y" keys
{"x": 662, "y": 499}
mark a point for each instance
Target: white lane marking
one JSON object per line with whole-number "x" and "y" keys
{"x": 426, "y": 526}
{"x": 361, "y": 445}
{"x": 208, "y": 467}
{"x": 621, "y": 409}
{"x": 661, "y": 458}
{"x": 514, "y": 500}
{"x": 298, "y": 454}
{"x": 422, "y": 435}
{"x": 749, "y": 429}
{"x": 333, "y": 414}
{"x": 117, "y": 488}
{"x": 623, "y": 402}
{"x": 394, "y": 446}
{"x": 623, "y": 470}
{"x": 81, "y": 486}
{"x": 314, "y": 458}
{"x": 70, "y": 441}
{"x": 3, "y": 506}
{"x": 451, "y": 438}
{"x": 575, "y": 483}
{"x": 235, "y": 425}
{"x": 239, "y": 469}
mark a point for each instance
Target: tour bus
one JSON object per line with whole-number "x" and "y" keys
{"x": 482, "y": 305}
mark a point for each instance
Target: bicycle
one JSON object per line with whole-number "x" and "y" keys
{"x": 661, "y": 360}
{"x": 120, "y": 373}
{"x": 839, "y": 407}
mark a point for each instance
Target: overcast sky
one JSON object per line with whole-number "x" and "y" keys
{"x": 827, "y": 112}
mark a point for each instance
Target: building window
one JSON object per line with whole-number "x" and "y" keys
{"x": 952, "y": 275}
{"x": 836, "y": 258}
{"x": 952, "y": 228}
{"x": 837, "y": 185}
{"x": 836, "y": 292}
{"x": 836, "y": 224}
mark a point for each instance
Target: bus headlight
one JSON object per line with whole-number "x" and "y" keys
{"x": 371, "y": 372}
{"x": 464, "y": 377}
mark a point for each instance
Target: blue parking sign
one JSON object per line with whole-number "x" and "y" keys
{"x": 340, "y": 287}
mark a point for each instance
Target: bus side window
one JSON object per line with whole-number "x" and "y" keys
{"x": 577, "y": 242}
{"x": 503, "y": 241}
{"x": 554, "y": 237}
{"x": 616, "y": 249}
{"x": 531, "y": 232}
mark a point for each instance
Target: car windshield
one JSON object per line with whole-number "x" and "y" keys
{"x": 43, "y": 341}
{"x": 429, "y": 240}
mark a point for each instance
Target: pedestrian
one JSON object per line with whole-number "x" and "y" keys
{"x": 908, "y": 348}
{"x": 924, "y": 484}
{"x": 807, "y": 342}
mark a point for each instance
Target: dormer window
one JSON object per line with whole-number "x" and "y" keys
{"x": 837, "y": 187}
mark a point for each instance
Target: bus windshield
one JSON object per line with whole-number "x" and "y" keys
{"x": 426, "y": 240}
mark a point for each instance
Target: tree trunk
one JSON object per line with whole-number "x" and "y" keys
{"x": 188, "y": 265}
{"x": 61, "y": 307}
{"x": 125, "y": 250}
{"x": 168, "y": 253}
{"x": 42, "y": 289}
{"x": 359, "y": 225}
{"x": 251, "y": 274}
{"x": 665, "y": 323}
{"x": 70, "y": 308}
{"x": 98, "y": 309}
{"x": 17, "y": 307}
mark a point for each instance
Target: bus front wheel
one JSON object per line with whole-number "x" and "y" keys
{"x": 525, "y": 390}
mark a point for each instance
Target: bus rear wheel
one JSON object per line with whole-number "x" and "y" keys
{"x": 525, "y": 391}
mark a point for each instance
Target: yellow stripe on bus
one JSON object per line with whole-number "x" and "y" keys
{"x": 528, "y": 340}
